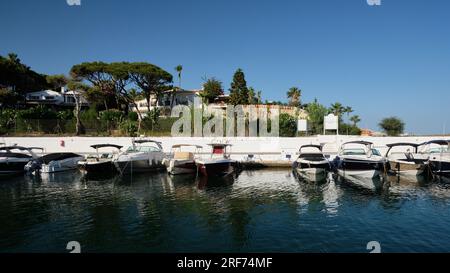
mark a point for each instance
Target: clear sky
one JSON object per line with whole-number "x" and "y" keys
{"x": 392, "y": 59}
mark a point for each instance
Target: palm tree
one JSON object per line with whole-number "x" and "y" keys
{"x": 337, "y": 109}
{"x": 179, "y": 68}
{"x": 294, "y": 94}
{"x": 355, "y": 119}
{"x": 348, "y": 110}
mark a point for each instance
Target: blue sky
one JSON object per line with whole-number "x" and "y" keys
{"x": 392, "y": 59}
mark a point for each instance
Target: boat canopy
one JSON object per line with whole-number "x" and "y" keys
{"x": 97, "y": 146}
{"x": 392, "y": 145}
{"x": 403, "y": 144}
{"x": 186, "y": 145}
{"x": 359, "y": 142}
{"x": 140, "y": 141}
{"x": 219, "y": 144}
{"x": 57, "y": 156}
{"x": 311, "y": 146}
{"x": 438, "y": 142}
{"x": 7, "y": 148}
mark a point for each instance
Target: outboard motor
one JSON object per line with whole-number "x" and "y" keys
{"x": 33, "y": 166}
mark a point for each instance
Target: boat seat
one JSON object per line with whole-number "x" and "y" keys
{"x": 183, "y": 156}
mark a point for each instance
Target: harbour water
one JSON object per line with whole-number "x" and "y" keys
{"x": 257, "y": 211}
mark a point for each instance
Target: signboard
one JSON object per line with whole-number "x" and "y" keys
{"x": 331, "y": 122}
{"x": 302, "y": 125}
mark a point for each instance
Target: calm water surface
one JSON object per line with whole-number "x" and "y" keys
{"x": 259, "y": 211}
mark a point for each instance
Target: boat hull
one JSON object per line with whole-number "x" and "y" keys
{"x": 105, "y": 167}
{"x": 12, "y": 168}
{"x": 440, "y": 167}
{"x": 406, "y": 168}
{"x": 362, "y": 173}
{"x": 61, "y": 165}
{"x": 312, "y": 174}
{"x": 312, "y": 171}
{"x": 216, "y": 169}
{"x": 138, "y": 166}
{"x": 175, "y": 167}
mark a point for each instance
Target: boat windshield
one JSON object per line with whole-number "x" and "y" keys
{"x": 142, "y": 149}
{"x": 439, "y": 150}
{"x": 376, "y": 152}
{"x": 358, "y": 151}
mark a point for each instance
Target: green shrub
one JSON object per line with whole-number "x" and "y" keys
{"x": 7, "y": 118}
{"x": 288, "y": 125}
{"x": 133, "y": 116}
{"x": 129, "y": 127}
{"x": 38, "y": 112}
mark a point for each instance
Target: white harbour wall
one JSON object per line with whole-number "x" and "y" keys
{"x": 263, "y": 148}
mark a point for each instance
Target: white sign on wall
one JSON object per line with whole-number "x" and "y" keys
{"x": 302, "y": 125}
{"x": 331, "y": 122}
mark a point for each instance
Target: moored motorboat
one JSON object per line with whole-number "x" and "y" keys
{"x": 100, "y": 163}
{"x": 359, "y": 163}
{"x": 54, "y": 162}
{"x": 409, "y": 162}
{"x": 182, "y": 161}
{"x": 14, "y": 158}
{"x": 439, "y": 157}
{"x": 142, "y": 156}
{"x": 312, "y": 165}
{"x": 219, "y": 164}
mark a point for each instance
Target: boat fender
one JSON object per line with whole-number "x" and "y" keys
{"x": 62, "y": 143}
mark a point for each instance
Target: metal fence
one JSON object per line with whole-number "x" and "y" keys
{"x": 92, "y": 127}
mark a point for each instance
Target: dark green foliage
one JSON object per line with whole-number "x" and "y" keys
{"x": 38, "y": 112}
{"x": 345, "y": 128}
{"x": 288, "y": 125}
{"x": 133, "y": 116}
{"x": 392, "y": 126}
{"x": 212, "y": 88}
{"x": 239, "y": 90}
{"x": 316, "y": 114}
{"x": 55, "y": 82}
{"x": 129, "y": 127}
{"x": 19, "y": 78}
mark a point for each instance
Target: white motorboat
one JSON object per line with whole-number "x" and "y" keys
{"x": 439, "y": 157}
{"x": 141, "y": 156}
{"x": 359, "y": 163}
{"x": 181, "y": 160}
{"x": 406, "y": 162}
{"x": 54, "y": 162}
{"x": 219, "y": 164}
{"x": 100, "y": 163}
{"x": 311, "y": 163}
{"x": 14, "y": 158}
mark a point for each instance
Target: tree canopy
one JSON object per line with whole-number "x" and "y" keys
{"x": 294, "y": 95}
{"x": 212, "y": 88}
{"x": 392, "y": 126}
{"x": 19, "y": 78}
{"x": 117, "y": 79}
{"x": 239, "y": 90}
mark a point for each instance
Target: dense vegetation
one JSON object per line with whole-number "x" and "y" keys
{"x": 112, "y": 87}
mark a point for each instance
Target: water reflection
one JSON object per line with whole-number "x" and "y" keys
{"x": 265, "y": 210}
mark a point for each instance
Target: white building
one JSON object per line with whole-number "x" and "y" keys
{"x": 50, "y": 97}
{"x": 167, "y": 100}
